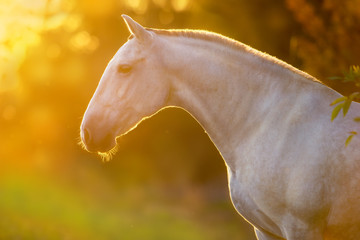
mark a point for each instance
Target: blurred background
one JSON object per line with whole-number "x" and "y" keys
{"x": 167, "y": 180}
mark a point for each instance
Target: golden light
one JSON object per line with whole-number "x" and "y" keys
{"x": 20, "y": 27}
{"x": 9, "y": 112}
{"x": 180, "y": 5}
{"x": 72, "y": 23}
{"x": 23, "y": 24}
{"x": 83, "y": 41}
{"x": 160, "y": 3}
{"x": 53, "y": 51}
{"x": 166, "y": 17}
{"x": 96, "y": 8}
{"x": 43, "y": 124}
{"x": 138, "y": 6}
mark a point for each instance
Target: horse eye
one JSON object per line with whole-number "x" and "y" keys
{"x": 124, "y": 68}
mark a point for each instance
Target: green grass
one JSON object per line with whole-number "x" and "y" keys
{"x": 34, "y": 210}
{"x": 43, "y": 208}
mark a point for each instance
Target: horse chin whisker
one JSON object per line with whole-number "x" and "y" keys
{"x": 81, "y": 143}
{"x": 107, "y": 156}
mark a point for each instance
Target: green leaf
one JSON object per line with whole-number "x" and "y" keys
{"x": 349, "y": 76}
{"x": 354, "y": 96}
{"x": 346, "y": 106}
{"x": 356, "y": 69}
{"x": 357, "y": 119}
{"x": 336, "y": 101}
{"x": 348, "y": 140}
{"x": 336, "y": 111}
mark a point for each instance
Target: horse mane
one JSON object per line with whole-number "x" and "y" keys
{"x": 229, "y": 42}
{"x": 202, "y": 35}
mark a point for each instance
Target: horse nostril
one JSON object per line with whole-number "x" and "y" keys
{"x": 86, "y": 135}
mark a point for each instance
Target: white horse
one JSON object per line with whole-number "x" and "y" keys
{"x": 290, "y": 174}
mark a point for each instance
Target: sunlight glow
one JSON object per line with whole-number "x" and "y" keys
{"x": 24, "y": 25}
{"x": 166, "y": 17}
{"x": 43, "y": 124}
{"x": 72, "y": 23}
{"x": 9, "y": 112}
{"x": 138, "y": 6}
{"x": 53, "y": 51}
{"x": 83, "y": 41}
{"x": 160, "y": 3}
{"x": 21, "y": 23}
{"x": 180, "y": 5}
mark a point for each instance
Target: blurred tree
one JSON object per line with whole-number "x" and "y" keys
{"x": 327, "y": 41}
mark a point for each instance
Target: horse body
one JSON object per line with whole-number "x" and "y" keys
{"x": 289, "y": 172}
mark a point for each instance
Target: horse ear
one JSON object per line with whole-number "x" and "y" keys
{"x": 139, "y": 31}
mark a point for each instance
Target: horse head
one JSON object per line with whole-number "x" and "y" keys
{"x": 131, "y": 88}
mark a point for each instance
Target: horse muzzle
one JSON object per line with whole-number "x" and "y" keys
{"x": 96, "y": 140}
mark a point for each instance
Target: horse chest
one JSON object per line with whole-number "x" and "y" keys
{"x": 252, "y": 204}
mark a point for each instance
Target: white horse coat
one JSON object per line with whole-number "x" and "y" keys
{"x": 290, "y": 174}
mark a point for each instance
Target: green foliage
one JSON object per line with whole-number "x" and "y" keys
{"x": 357, "y": 119}
{"x": 348, "y": 140}
{"x": 353, "y": 76}
{"x": 344, "y": 103}
{"x": 336, "y": 111}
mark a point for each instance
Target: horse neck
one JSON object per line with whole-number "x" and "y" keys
{"x": 230, "y": 91}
